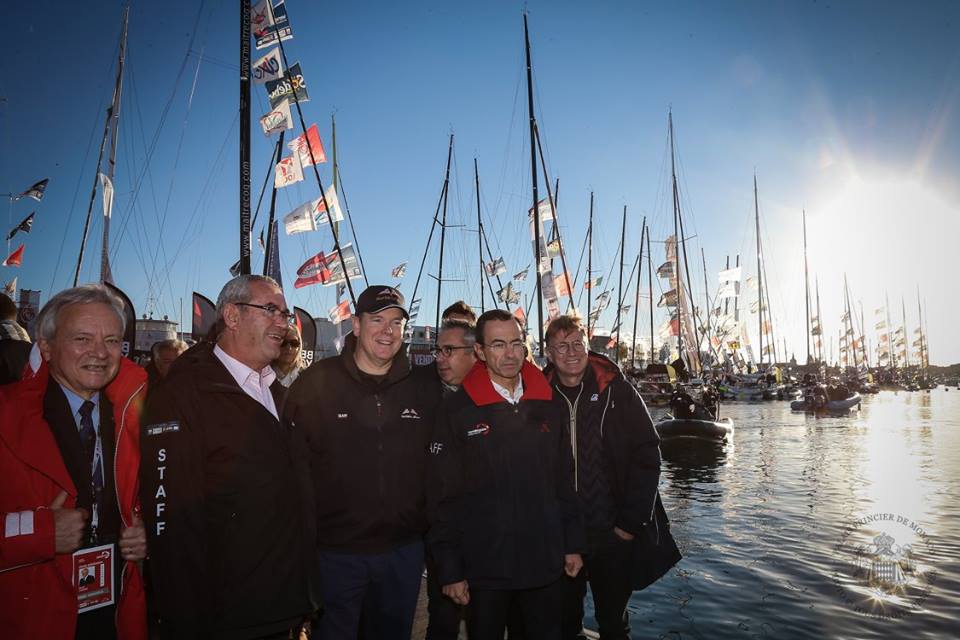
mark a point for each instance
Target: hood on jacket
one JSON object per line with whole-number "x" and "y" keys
{"x": 604, "y": 370}
{"x": 479, "y": 387}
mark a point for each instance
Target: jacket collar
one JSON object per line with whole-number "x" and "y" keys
{"x": 603, "y": 368}
{"x": 399, "y": 368}
{"x": 480, "y": 389}
{"x": 31, "y": 438}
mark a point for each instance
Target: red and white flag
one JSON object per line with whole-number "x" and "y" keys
{"x": 277, "y": 119}
{"x": 288, "y": 172}
{"x": 15, "y": 259}
{"x": 340, "y": 312}
{"x": 299, "y": 147}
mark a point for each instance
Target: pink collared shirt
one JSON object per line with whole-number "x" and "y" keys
{"x": 255, "y": 384}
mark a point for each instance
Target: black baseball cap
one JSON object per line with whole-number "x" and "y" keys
{"x": 378, "y": 297}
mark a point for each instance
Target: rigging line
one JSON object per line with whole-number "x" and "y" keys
{"x": 76, "y": 192}
{"x": 353, "y": 231}
{"x": 504, "y": 165}
{"x": 163, "y": 118}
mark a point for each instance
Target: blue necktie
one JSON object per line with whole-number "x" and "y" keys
{"x": 88, "y": 436}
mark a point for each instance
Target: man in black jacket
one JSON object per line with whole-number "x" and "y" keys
{"x": 224, "y": 485}
{"x": 617, "y": 470}
{"x": 506, "y": 524}
{"x": 367, "y": 423}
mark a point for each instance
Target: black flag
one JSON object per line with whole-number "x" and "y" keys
{"x": 308, "y": 334}
{"x": 23, "y": 226}
{"x": 35, "y": 191}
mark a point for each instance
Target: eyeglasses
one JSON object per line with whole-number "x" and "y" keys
{"x": 446, "y": 350}
{"x": 272, "y": 309}
{"x": 562, "y": 348}
{"x": 499, "y": 346}
{"x": 291, "y": 343}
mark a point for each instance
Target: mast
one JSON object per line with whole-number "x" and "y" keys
{"x": 105, "y": 273}
{"x": 650, "y": 286}
{"x": 706, "y": 297}
{"x": 819, "y": 317}
{"x": 806, "y": 281}
{"x": 553, "y": 197}
{"x": 676, "y": 250}
{"x": 443, "y": 229}
{"x": 756, "y": 210}
{"x": 590, "y": 269}
{"x": 636, "y": 299}
{"x": 112, "y": 112}
{"x": 245, "y": 139}
{"x": 865, "y": 352}
{"x": 273, "y": 208}
{"x": 623, "y": 237}
{"x": 849, "y": 325}
{"x": 476, "y": 181}
{"x": 886, "y": 308}
{"x": 906, "y": 340}
{"x": 536, "y": 195}
{"x": 923, "y": 361}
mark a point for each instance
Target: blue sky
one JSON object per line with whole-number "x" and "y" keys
{"x": 846, "y": 109}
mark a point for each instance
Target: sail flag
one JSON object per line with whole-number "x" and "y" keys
{"x": 881, "y": 325}
{"x": 625, "y": 309}
{"x": 755, "y": 305}
{"x": 845, "y": 316}
{"x": 267, "y": 21}
{"x": 665, "y": 270}
{"x": 671, "y": 247}
{"x": 277, "y": 119}
{"x": 269, "y": 67}
{"x": 752, "y": 282}
{"x": 728, "y": 289}
{"x": 273, "y": 256}
{"x": 731, "y": 275}
{"x": 520, "y": 276}
{"x": 546, "y": 213}
{"x": 884, "y": 338}
{"x": 603, "y": 301}
{"x": 288, "y": 172}
{"x": 496, "y": 267}
{"x": 107, "y": 187}
{"x": 309, "y": 215}
{"x": 670, "y": 328}
{"x": 35, "y": 191}
{"x": 263, "y": 246}
{"x": 767, "y": 328}
{"x": 11, "y": 288}
{"x": 336, "y": 265}
{"x": 340, "y": 312}
{"x": 314, "y": 265}
{"x": 15, "y": 259}
{"x": 668, "y": 299}
{"x": 292, "y": 86}
{"x": 553, "y": 248}
{"x": 508, "y": 294}
{"x": 564, "y": 284}
{"x": 298, "y": 146}
{"x": 595, "y": 282}
{"x": 520, "y": 316}
{"x": 399, "y": 271}
{"x": 24, "y": 226}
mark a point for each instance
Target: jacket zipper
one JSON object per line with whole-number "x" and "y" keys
{"x": 376, "y": 397}
{"x": 573, "y": 434}
{"x": 116, "y": 488}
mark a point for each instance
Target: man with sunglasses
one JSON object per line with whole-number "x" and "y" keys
{"x": 225, "y": 486}
{"x": 506, "y": 525}
{"x": 617, "y": 470}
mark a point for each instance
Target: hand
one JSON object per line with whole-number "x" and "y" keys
{"x": 459, "y": 592}
{"x": 572, "y": 563}
{"x": 68, "y": 525}
{"x": 133, "y": 541}
{"x": 623, "y": 535}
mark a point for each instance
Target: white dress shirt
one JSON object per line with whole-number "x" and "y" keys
{"x": 255, "y": 384}
{"x": 512, "y": 398}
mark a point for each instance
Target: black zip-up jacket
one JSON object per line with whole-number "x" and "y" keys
{"x": 631, "y": 462}
{"x": 502, "y": 484}
{"x": 226, "y": 500}
{"x": 367, "y": 443}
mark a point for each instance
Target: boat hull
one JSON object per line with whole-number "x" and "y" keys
{"x": 672, "y": 428}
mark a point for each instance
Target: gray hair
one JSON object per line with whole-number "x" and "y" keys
{"x": 238, "y": 290}
{"x": 163, "y": 345}
{"x": 469, "y": 330}
{"x": 85, "y": 294}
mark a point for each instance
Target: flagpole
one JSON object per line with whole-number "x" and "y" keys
{"x": 636, "y": 300}
{"x": 245, "y": 136}
{"x": 556, "y": 222}
{"x": 536, "y": 196}
{"x": 273, "y": 207}
{"x": 105, "y": 273}
{"x": 443, "y": 230}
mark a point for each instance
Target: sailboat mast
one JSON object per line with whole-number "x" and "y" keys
{"x": 849, "y": 325}
{"x": 920, "y": 328}
{"x": 806, "y": 281}
{"x": 886, "y": 307}
{"x": 476, "y": 181}
{"x": 819, "y": 317}
{"x": 553, "y": 197}
{"x": 245, "y": 139}
{"x": 706, "y": 297}
{"x": 271, "y": 238}
{"x": 650, "y": 286}
{"x": 906, "y": 342}
{"x": 676, "y": 246}
{"x": 636, "y": 298}
{"x": 536, "y": 195}
{"x": 105, "y": 273}
{"x": 443, "y": 230}
{"x": 865, "y": 352}
{"x": 590, "y": 270}
{"x": 756, "y": 211}
{"x": 623, "y": 237}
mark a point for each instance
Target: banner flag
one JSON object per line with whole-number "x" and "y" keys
{"x": 291, "y": 86}
{"x": 269, "y": 67}
{"x": 731, "y": 275}
{"x": 340, "y": 312}
{"x": 35, "y": 191}
{"x": 288, "y": 172}
{"x": 520, "y": 276}
{"x": 204, "y": 317}
{"x": 399, "y": 271}
{"x": 25, "y": 226}
{"x": 298, "y": 146}
{"x": 496, "y": 267}
{"x": 266, "y": 24}
{"x": 277, "y": 119}
{"x": 15, "y": 259}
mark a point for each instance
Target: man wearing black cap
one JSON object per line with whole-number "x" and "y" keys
{"x": 368, "y": 423}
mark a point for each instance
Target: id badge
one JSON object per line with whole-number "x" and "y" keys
{"x": 93, "y": 577}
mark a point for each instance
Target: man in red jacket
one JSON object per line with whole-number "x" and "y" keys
{"x": 69, "y": 455}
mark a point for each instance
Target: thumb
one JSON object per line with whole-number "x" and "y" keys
{"x": 59, "y": 500}
{"x": 136, "y": 521}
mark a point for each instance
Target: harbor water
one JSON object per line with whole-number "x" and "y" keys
{"x": 815, "y": 527}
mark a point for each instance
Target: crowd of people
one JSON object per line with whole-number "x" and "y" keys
{"x": 229, "y": 492}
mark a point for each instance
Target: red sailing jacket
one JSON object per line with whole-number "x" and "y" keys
{"x": 37, "y": 597}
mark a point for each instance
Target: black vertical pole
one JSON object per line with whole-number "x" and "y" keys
{"x": 443, "y": 230}
{"x": 806, "y": 281}
{"x": 650, "y": 286}
{"x": 636, "y": 299}
{"x": 476, "y": 180}
{"x": 273, "y": 208}
{"x": 245, "y": 137}
{"x": 623, "y": 238}
{"x": 756, "y": 210}
{"x": 590, "y": 268}
{"x": 536, "y": 195}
